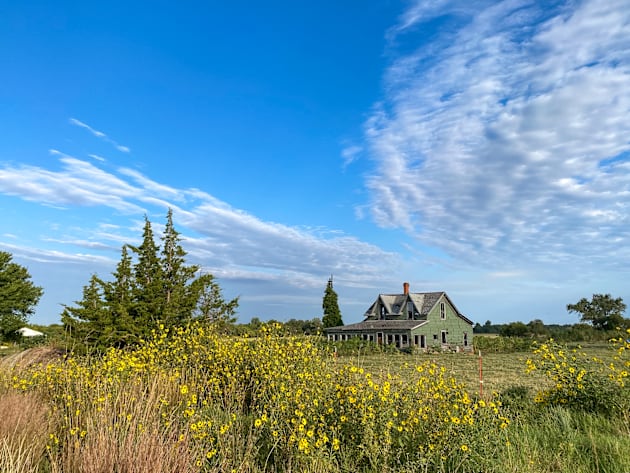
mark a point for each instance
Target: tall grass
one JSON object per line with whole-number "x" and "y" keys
{"x": 194, "y": 401}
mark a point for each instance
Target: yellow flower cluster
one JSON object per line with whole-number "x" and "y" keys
{"x": 583, "y": 381}
{"x": 284, "y": 398}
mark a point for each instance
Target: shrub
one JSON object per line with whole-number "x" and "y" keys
{"x": 581, "y": 382}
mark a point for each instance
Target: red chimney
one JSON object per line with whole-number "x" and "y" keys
{"x": 405, "y": 288}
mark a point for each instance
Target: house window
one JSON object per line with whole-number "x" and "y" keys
{"x": 409, "y": 310}
{"x": 404, "y": 340}
{"x": 465, "y": 339}
{"x": 389, "y": 338}
{"x": 423, "y": 341}
{"x": 397, "y": 340}
{"x": 435, "y": 336}
{"x": 371, "y": 338}
{"x": 442, "y": 310}
{"x": 444, "y": 332}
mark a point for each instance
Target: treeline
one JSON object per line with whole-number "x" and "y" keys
{"x": 536, "y": 329}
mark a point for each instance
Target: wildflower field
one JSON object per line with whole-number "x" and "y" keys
{"x": 193, "y": 400}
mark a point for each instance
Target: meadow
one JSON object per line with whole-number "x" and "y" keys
{"x": 194, "y": 400}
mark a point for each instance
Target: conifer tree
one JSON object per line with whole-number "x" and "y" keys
{"x": 148, "y": 288}
{"x": 89, "y": 324}
{"x": 332, "y": 314}
{"x": 119, "y": 297}
{"x": 157, "y": 287}
{"x": 179, "y": 300}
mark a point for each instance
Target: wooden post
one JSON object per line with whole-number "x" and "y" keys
{"x": 480, "y": 375}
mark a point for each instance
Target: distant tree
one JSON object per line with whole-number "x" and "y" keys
{"x": 514, "y": 329}
{"x": 332, "y": 314}
{"x": 602, "y": 311}
{"x": 537, "y": 328}
{"x": 18, "y": 295}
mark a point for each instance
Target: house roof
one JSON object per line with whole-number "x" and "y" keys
{"x": 368, "y": 325}
{"x": 395, "y": 303}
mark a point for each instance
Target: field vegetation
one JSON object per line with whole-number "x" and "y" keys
{"x": 196, "y": 400}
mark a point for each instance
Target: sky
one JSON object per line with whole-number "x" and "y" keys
{"x": 480, "y": 148}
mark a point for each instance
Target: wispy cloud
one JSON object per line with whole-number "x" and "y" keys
{"x": 99, "y": 134}
{"x": 505, "y": 137}
{"x": 226, "y": 241}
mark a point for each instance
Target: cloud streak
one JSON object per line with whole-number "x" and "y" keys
{"x": 100, "y": 135}
{"x": 229, "y": 242}
{"x": 506, "y": 137}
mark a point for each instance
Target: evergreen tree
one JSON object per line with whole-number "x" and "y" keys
{"x": 159, "y": 288}
{"x": 90, "y": 323}
{"x": 210, "y": 303}
{"x": 332, "y": 314}
{"x": 148, "y": 285}
{"x": 18, "y": 295}
{"x": 179, "y": 296}
{"x": 119, "y": 297}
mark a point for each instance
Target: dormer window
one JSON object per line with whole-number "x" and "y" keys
{"x": 409, "y": 310}
{"x": 382, "y": 311}
{"x": 442, "y": 310}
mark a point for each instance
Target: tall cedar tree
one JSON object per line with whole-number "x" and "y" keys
{"x": 18, "y": 296}
{"x": 158, "y": 289}
{"x": 90, "y": 323}
{"x": 179, "y": 296}
{"x": 119, "y": 298}
{"x": 148, "y": 288}
{"x": 332, "y": 314}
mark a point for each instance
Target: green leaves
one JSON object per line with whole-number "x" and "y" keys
{"x": 18, "y": 295}
{"x": 602, "y": 311}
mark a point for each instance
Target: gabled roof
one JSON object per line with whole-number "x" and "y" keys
{"x": 394, "y": 303}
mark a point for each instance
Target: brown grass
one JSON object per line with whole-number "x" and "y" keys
{"x": 24, "y": 428}
{"x": 127, "y": 434}
{"x": 33, "y": 356}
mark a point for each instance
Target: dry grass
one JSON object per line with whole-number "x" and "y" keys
{"x": 23, "y": 432}
{"x": 33, "y": 356}
{"x": 125, "y": 433}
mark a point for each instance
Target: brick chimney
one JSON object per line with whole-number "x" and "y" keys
{"x": 405, "y": 288}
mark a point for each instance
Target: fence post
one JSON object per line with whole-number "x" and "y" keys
{"x": 480, "y": 375}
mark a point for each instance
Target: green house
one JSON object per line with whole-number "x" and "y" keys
{"x": 419, "y": 320}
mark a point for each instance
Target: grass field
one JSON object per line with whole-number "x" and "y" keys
{"x": 500, "y": 371}
{"x": 200, "y": 402}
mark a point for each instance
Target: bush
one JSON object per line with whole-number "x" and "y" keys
{"x": 581, "y": 382}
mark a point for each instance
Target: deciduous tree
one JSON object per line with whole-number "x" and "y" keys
{"x": 602, "y": 311}
{"x": 18, "y": 295}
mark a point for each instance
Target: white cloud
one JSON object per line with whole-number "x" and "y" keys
{"x": 100, "y": 135}
{"x": 495, "y": 139}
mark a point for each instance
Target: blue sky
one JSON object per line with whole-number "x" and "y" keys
{"x": 476, "y": 147}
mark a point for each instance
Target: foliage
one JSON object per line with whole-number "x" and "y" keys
{"x": 156, "y": 287}
{"x": 584, "y": 383}
{"x": 499, "y": 344}
{"x": 602, "y": 311}
{"x": 18, "y": 296}
{"x": 275, "y": 403}
{"x": 332, "y": 314}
